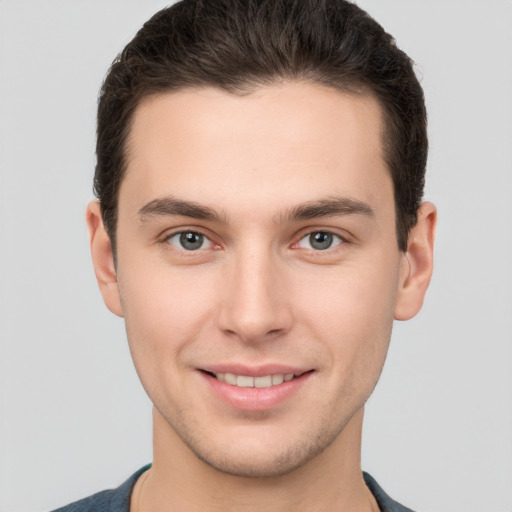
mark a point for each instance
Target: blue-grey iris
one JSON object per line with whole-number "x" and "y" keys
{"x": 191, "y": 241}
{"x": 320, "y": 240}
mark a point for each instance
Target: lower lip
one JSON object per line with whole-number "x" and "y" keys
{"x": 255, "y": 399}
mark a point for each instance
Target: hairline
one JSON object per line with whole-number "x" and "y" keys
{"x": 245, "y": 88}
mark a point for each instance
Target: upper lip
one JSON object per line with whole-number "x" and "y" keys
{"x": 255, "y": 371}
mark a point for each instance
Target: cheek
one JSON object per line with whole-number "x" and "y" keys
{"x": 164, "y": 312}
{"x": 164, "y": 316}
{"x": 353, "y": 315}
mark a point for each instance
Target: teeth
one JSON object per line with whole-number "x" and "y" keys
{"x": 244, "y": 381}
{"x": 277, "y": 379}
{"x": 229, "y": 378}
{"x": 263, "y": 382}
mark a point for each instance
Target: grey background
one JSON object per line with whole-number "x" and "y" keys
{"x": 73, "y": 417}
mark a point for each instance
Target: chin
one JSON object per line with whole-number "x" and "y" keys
{"x": 260, "y": 465}
{"x": 262, "y": 458}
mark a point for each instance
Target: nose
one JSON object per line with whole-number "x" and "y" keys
{"x": 255, "y": 305}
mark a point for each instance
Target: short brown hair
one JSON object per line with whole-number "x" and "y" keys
{"x": 239, "y": 45}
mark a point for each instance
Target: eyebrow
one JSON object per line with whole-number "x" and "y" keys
{"x": 169, "y": 206}
{"x": 332, "y": 206}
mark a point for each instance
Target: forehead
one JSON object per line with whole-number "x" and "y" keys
{"x": 286, "y": 141}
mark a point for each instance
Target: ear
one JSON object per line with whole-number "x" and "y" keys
{"x": 417, "y": 264}
{"x": 103, "y": 259}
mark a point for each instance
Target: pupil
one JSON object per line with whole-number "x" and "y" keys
{"x": 320, "y": 240}
{"x": 191, "y": 241}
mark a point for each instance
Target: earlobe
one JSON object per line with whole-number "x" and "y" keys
{"x": 417, "y": 264}
{"x": 103, "y": 259}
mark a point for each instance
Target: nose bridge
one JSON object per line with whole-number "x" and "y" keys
{"x": 254, "y": 305}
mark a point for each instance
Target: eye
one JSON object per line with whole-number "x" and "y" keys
{"x": 320, "y": 241}
{"x": 189, "y": 241}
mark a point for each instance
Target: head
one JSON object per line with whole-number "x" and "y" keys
{"x": 241, "y": 45}
{"x": 260, "y": 169}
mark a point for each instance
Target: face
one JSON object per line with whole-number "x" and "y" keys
{"x": 258, "y": 270}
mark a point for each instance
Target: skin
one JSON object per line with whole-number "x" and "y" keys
{"x": 257, "y": 292}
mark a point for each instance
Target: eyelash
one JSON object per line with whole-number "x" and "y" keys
{"x": 333, "y": 238}
{"x": 205, "y": 239}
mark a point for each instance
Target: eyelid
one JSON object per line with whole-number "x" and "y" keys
{"x": 206, "y": 243}
{"x": 337, "y": 240}
{"x": 167, "y": 235}
{"x": 344, "y": 237}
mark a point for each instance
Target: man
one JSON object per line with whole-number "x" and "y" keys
{"x": 259, "y": 227}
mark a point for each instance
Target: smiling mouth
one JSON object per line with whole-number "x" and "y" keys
{"x": 246, "y": 381}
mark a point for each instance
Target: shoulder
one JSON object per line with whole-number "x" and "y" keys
{"x": 386, "y": 504}
{"x": 112, "y": 500}
{"x": 99, "y": 502}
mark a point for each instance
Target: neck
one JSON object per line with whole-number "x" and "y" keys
{"x": 178, "y": 480}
